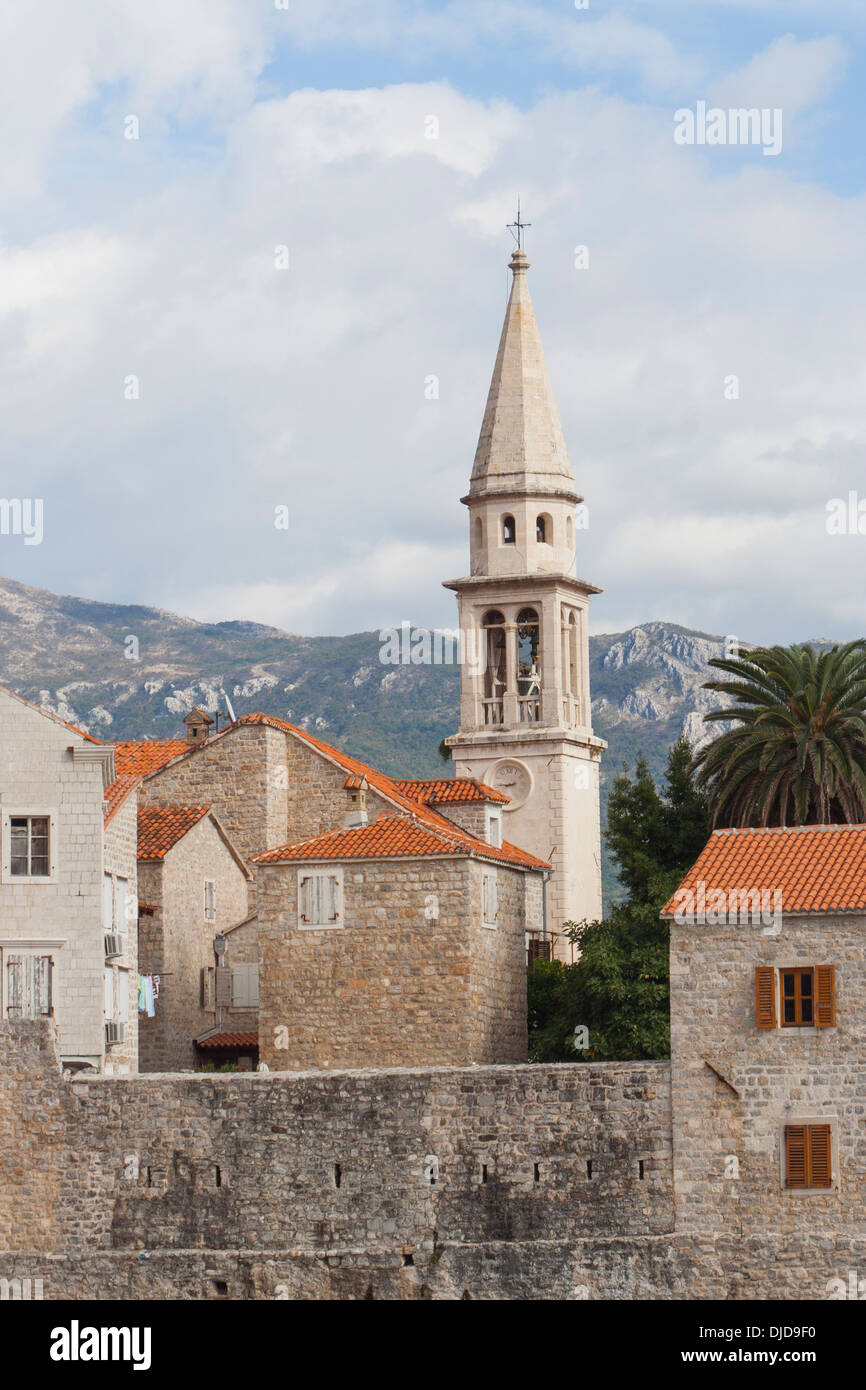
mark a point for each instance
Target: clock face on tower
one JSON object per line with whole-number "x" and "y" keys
{"x": 513, "y": 779}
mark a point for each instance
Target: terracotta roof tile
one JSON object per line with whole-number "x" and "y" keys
{"x": 160, "y": 827}
{"x": 230, "y": 1040}
{"x": 116, "y": 793}
{"x": 389, "y": 788}
{"x": 817, "y": 868}
{"x": 438, "y": 789}
{"x": 138, "y": 757}
{"x": 397, "y": 837}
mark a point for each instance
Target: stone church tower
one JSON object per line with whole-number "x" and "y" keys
{"x": 525, "y": 721}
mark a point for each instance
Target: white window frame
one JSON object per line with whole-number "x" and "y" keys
{"x": 209, "y": 911}
{"x": 317, "y": 910}
{"x": 493, "y": 828}
{"x": 13, "y": 812}
{"x": 490, "y": 899}
{"x": 11, "y": 954}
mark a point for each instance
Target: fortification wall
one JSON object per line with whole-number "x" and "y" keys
{"x": 323, "y": 1185}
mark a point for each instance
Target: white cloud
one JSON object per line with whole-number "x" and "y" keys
{"x": 305, "y": 387}
{"x": 792, "y": 74}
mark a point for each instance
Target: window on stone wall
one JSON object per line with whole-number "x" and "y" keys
{"x": 27, "y": 985}
{"x": 320, "y": 898}
{"x": 806, "y": 996}
{"x": 28, "y": 847}
{"x": 209, "y": 900}
{"x": 808, "y": 1156}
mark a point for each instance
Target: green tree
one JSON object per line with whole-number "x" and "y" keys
{"x": 797, "y": 753}
{"x": 618, "y": 988}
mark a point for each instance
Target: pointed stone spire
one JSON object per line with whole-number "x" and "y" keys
{"x": 521, "y": 447}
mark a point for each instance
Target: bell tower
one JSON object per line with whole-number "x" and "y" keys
{"x": 525, "y": 720}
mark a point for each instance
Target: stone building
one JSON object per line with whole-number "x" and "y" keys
{"x": 397, "y": 943}
{"x": 233, "y": 985}
{"x": 193, "y": 887}
{"x": 68, "y": 946}
{"x": 768, "y": 1042}
{"x": 275, "y": 787}
{"x": 525, "y": 713}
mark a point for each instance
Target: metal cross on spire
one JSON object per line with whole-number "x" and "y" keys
{"x": 519, "y": 225}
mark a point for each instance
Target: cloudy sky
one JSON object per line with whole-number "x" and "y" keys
{"x": 263, "y": 386}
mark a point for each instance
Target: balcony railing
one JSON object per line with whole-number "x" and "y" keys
{"x": 529, "y": 709}
{"x": 493, "y": 711}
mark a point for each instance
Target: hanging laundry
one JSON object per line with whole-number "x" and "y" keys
{"x": 142, "y": 1000}
{"x": 155, "y": 987}
{"x": 148, "y": 995}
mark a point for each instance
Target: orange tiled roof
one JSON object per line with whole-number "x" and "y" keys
{"x": 434, "y": 789}
{"x": 138, "y": 757}
{"x": 397, "y": 837}
{"x": 230, "y": 1040}
{"x": 389, "y": 788}
{"x": 817, "y": 868}
{"x": 160, "y": 827}
{"x": 116, "y": 793}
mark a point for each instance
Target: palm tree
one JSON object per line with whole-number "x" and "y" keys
{"x": 797, "y": 753}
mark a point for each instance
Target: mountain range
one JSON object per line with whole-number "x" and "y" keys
{"x": 124, "y": 671}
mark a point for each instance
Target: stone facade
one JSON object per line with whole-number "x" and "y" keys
{"x": 736, "y": 1086}
{"x": 120, "y": 865}
{"x": 413, "y": 977}
{"x": 241, "y": 775}
{"x": 512, "y": 1182}
{"x": 48, "y": 770}
{"x": 176, "y": 942}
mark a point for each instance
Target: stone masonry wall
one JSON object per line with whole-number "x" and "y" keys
{"x": 183, "y": 942}
{"x": 392, "y": 1162}
{"x": 241, "y": 775}
{"x": 318, "y": 1186}
{"x": 410, "y": 979}
{"x": 64, "y": 916}
{"x": 736, "y": 1086}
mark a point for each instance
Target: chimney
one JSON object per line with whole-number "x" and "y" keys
{"x": 198, "y": 724}
{"x": 356, "y": 811}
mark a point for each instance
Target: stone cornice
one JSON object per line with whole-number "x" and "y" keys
{"x": 506, "y": 581}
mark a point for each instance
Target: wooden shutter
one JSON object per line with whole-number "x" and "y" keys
{"x": 41, "y": 969}
{"x": 107, "y": 904}
{"x": 765, "y": 996}
{"x": 245, "y": 986}
{"x": 223, "y": 985}
{"x": 825, "y": 996}
{"x": 14, "y": 987}
{"x": 795, "y": 1156}
{"x": 808, "y": 1156}
{"x": 818, "y": 1146}
{"x": 306, "y": 894}
{"x": 333, "y": 896}
{"x": 122, "y": 912}
{"x": 207, "y": 987}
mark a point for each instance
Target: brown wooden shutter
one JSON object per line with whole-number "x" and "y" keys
{"x": 765, "y": 996}
{"x": 808, "y": 1156}
{"x": 795, "y": 1156}
{"x": 825, "y": 996}
{"x": 820, "y": 1172}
